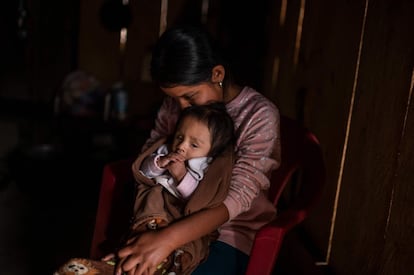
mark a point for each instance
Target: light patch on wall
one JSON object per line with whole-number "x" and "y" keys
{"x": 299, "y": 32}
{"x": 282, "y": 15}
{"x": 275, "y": 72}
{"x": 163, "y": 16}
{"x": 123, "y": 36}
{"x": 204, "y": 11}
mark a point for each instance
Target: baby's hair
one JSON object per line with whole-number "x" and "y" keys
{"x": 218, "y": 121}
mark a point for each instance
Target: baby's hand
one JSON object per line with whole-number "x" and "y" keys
{"x": 163, "y": 161}
{"x": 177, "y": 167}
{"x": 175, "y": 157}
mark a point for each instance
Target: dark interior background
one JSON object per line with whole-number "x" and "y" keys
{"x": 342, "y": 68}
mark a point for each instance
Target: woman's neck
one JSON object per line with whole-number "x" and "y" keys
{"x": 231, "y": 92}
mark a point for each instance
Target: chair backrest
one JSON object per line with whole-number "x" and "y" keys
{"x": 301, "y": 156}
{"x": 302, "y": 173}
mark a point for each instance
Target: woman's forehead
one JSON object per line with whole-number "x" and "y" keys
{"x": 181, "y": 90}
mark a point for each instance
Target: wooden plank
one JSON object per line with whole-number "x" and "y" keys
{"x": 213, "y": 16}
{"x": 184, "y": 11}
{"x": 318, "y": 91}
{"x": 283, "y": 46}
{"x": 98, "y": 47}
{"x": 243, "y": 34}
{"x": 377, "y": 120}
{"x": 99, "y": 52}
{"x": 398, "y": 254}
{"x": 273, "y": 34}
{"x": 325, "y": 75}
{"x": 144, "y": 96}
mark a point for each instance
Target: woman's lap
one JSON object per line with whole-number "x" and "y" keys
{"x": 223, "y": 259}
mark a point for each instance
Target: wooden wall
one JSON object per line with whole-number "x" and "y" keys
{"x": 343, "y": 68}
{"x": 349, "y": 78}
{"x": 99, "y": 48}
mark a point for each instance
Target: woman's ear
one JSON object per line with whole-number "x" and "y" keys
{"x": 217, "y": 74}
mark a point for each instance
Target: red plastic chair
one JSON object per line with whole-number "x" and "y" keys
{"x": 301, "y": 152}
{"x": 115, "y": 207}
{"x": 301, "y": 156}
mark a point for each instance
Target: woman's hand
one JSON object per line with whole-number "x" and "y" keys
{"x": 142, "y": 254}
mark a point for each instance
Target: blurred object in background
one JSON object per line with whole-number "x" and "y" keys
{"x": 82, "y": 95}
{"x": 119, "y": 101}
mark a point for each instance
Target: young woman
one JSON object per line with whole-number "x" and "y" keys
{"x": 190, "y": 70}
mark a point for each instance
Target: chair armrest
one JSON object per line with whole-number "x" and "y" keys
{"x": 268, "y": 241}
{"x": 114, "y": 177}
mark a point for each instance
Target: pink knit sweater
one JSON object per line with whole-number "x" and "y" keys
{"x": 256, "y": 121}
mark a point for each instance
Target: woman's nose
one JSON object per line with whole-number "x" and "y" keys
{"x": 184, "y": 103}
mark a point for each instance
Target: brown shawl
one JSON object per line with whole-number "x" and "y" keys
{"x": 154, "y": 203}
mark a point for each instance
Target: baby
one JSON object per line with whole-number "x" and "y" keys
{"x": 202, "y": 133}
{"x": 173, "y": 181}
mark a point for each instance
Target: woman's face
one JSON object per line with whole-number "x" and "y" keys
{"x": 199, "y": 94}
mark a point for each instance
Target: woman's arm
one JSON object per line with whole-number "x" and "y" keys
{"x": 142, "y": 255}
{"x": 257, "y": 152}
{"x": 167, "y": 117}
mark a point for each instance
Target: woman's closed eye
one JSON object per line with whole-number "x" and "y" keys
{"x": 190, "y": 98}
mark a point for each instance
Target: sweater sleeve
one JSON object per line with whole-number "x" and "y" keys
{"x": 187, "y": 185}
{"x": 164, "y": 123}
{"x": 149, "y": 167}
{"x": 257, "y": 154}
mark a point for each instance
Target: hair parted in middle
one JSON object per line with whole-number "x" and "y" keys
{"x": 185, "y": 55}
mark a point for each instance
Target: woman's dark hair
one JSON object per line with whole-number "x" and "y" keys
{"x": 184, "y": 55}
{"x": 218, "y": 121}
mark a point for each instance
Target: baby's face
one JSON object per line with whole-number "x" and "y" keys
{"x": 192, "y": 139}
